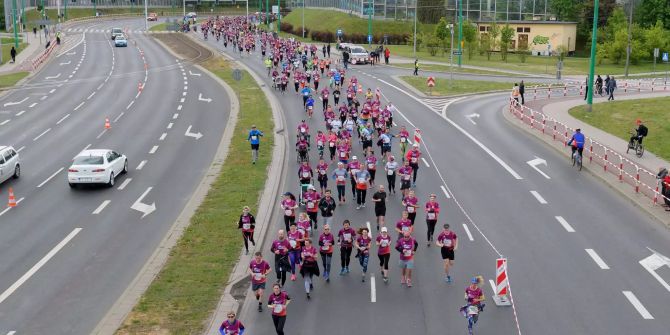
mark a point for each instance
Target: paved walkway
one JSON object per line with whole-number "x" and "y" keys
{"x": 559, "y": 111}
{"x": 26, "y": 56}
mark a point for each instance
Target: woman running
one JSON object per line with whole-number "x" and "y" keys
{"x": 383, "y": 242}
{"x": 295, "y": 238}
{"x": 345, "y": 239}
{"x": 247, "y": 223}
{"x": 310, "y": 266}
{"x": 432, "y": 211}
{"x": 280, "y": 247}
{"x": 363, "y": 242}
{"x": 288, "y": 204}
{"x": 411, "y": 203}
{"x": 277, "y": 303}
{"x": 326, "y": 242}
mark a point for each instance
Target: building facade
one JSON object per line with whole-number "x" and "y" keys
{"x": 539, "y": 37}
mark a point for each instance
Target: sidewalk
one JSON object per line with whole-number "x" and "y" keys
{"x": 559, "y": 111}
{"x": 26, "y": 56}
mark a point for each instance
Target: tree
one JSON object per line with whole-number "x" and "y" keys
{"x": 506, "y": 36}
{"x": 442, "y": 33}
{"x": 432, "y": 44}
{"x": 493, "y": 36}
{"x": 648, "y": 12}
{"x": 485, "y": 46}
{"x": 470, "y": 37}
{"x": 656, "y": 37}
{"x": 522, "y": 52}
{"x": 565, "y": 10}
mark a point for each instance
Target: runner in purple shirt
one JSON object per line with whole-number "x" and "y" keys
{"x": 363, "y": 242}
{"x": 259, "y": 269}
{"x": 404, "y": 224}
{"x": 406, "y": 246}
{"x": 326, "y": 242}
{"x": 448, "y": 243}
{"x": 280, "y": 247}
{"x": 411, "y": 203}
{"x": 345, "y": 239}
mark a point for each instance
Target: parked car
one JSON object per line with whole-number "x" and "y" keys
{"x": 152, "y": 17}
{"x": 120, "y": 41}
{"x": 10, "y": 166}
{"x": 97, "y": 166}
{"x": 116, "y": 32}
{"x": 358, "y": 55}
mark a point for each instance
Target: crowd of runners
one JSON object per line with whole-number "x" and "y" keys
{"x": 348, "y": 119}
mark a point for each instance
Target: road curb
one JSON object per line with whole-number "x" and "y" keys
{"x": 118, "y": 313}
{"x": 655, "y": 212}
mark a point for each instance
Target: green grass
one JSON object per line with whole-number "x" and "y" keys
{"x": 443, "y": 88}
{"x": 6, "y": 51}
{"x": 446, "y": 68}
{"x": 187, "y": 289}
{"x": 159, "y": 27}
{"x": 618, "y": 118}
{"x": 9, "y": 80}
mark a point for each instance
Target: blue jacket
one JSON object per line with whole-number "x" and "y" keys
{"x": 255, "y": 136}
{"x": 579, "y": 139}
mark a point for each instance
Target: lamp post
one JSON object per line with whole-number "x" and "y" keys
{"x": 95, "y": 8}
{"x": 267, "y": 15}
{"x": 16, "y": 31}
{"x": 628, "y": 50}
{"x": 451, "y": 57}
{"x": 278, "y": 16}
{"x": 460, "y": 32}
{"x": 146, "y": 15}
{"x": 370, "y": 8}
{"x": 415, "y": 14}
{"x": 592, "y": 62}
{"x": 303, "y": 18}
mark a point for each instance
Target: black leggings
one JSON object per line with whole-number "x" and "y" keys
{"x": 340, "y": 192}
{"x": 431, "y": 229}
{"x": 332, "y": 152}
{"x": 279, "y": 323}
{"x": 248, "y": 236}
{"x": 345, "y": 256}
{"x": 384, "y": 261}
{"x": 360, "y": 196}
{"x": 312, "y": 218}
{"x": 411, "y": 217}
{"x": 372, "y": 175}
{"x": 288, "y": 220}
{"x": 391, "y": 181}
{"x": 415, "y": 170}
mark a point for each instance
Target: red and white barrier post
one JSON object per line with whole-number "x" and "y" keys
{"x": 501, "y": 287}
{"x": 581, "y": 90}
{"x": 417, "y": 136}
{"x": 565, "y": 90}
{"x": 625, "y": 87}
{"x": 535, "y": 93}
{"x": 639, "y": 83}
{"x": 549, "y": 92}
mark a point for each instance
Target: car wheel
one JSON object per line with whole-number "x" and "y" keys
{"x": 17, "y": 171}
{"x": 111, "y": 180}
{"x": 72, "y": 185}
{"x": 125, "y": 167}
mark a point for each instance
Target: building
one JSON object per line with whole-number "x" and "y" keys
{"x": 547, "y": 35}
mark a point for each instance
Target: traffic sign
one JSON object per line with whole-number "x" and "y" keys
{"x": 656, "y": 52}
{"x": 275, "y": 9}
{"x": 458, "y": 52}
{"x": 237, "y": 75}
{"x": 339, "y": 32}
{"x": 369, "y": 38}
{"x": 665, "y": 57}
{"x": 430, "y": 82}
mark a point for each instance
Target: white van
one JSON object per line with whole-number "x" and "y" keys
{"x": 9, "y": 163}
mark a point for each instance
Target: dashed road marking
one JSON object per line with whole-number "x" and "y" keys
{"x": 596, "y": 258}
{"x": 79, "y": 106}
{"x": 638, "y": 305}
{"x": 539, "y": 198}
{"x": 5, "y": 122}
{"x": 467, "y": 231}
{"x": 50, "y": 177}
{"x": 153, "y": 150}
{"x": 565, "y": 224}
{"x": 162, "y": 136}
{"x": 63, "y": 118}
{"x": 101, "y": 207}
{"x": 446, "y": 193}
{"x": 125, "y": 183}
{"x": 141, "y": 165}
{"x": 42, "y": 134}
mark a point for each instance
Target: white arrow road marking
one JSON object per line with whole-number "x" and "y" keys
{"x": 39, "y": 265}
{"x": 188, "y": 133}
{"x": 144, "y": 208}
{"x": 66, "y": 63}
{"x": 538, "y": 161}
{"x": 472, "y": 116}
{"x": 101, "y": 207}
{"x": 202, "y": 99}
{"x": 15, "y": 102}
{"x": 53, "y": 77}
{"x": 638, "y": 305}
{"x": 653, "y": 263}
{"x": 194, "y": 74}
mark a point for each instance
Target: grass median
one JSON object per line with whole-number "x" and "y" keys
{"x": 10, "y": 79}
{"x": 443, "y": 87}
{"x": 618, "y": 118}
{"x": 186, "y": 291}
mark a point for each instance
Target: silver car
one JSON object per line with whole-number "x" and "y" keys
{"x": 10, "y": 165}
{"x": 358, "y": 55}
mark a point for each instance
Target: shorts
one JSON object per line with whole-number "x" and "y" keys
{"x": 255, "y": 146}
{"x": 408, "y": 264}
{"x": 256, "y": 286}
{"x": 447, "y": 253}
{"x": 367, "y": 144}
{"x": 380, "y": 211}
{"x": 405, "y": 184}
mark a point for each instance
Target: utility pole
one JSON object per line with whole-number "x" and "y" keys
{"x": 16, "y": 31}
{"x": 278, "y": 16}
{"x": 628, "y": 48}
{"x": 303, "y": 18}
{"x": 65, "y": 10}
{"x": 592, "y": 62}
{"x": 416, "y": 7}
{"x": 370, "y": 4}
{"x": 460, "y": 32}
{"x": 95, "y": 8}
{"x": 267, "y": 15}
{"x": 451, "y": 58}
{"x": 23, "y": 13}
{"x": 146, "y": 16}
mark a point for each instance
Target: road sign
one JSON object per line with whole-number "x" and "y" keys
{"x": 665, "y": 56}
{"x": 369, "y": 38}
{"x": 458, "y": 52}
{"x": 339, "y": 32}
{"x": 430, "y": 82}
{"x": 275, "y": 9}
{"x": 656, "y": 52}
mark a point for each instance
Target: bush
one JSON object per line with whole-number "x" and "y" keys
{"x": 286, "y": 27}
{"x": 323, "y": 36}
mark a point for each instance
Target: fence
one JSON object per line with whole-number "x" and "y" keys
{"x": 39, "y": 60}
{"x": 615, "y": 164}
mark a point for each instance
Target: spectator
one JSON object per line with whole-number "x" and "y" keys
{"x": 522, "y": 90}
{"x": 662, "y": 173}
{"x": 611, "y": 86}
{"x": 666, "y": 194}
{"x": 387, "y": 53}
{"x": 607, "y": 82}
{"x": 515, "y": 92}
{"x": 328, "y": 50}
{"x": 586, "y": 84}
{"x": 13, "y": 54}
{"x": 416, "y": 67}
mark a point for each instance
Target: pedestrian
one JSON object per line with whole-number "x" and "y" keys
{"x": 522, "y": 90}
{"x": 383, "y": 242}
{"x": 387, "y": 54}
{"x": 586, "y": 84}
{"x": 327, "y": 206}
{"x": 255, "y": 139}
{"x": 13, "y": 54}
{"x": 416, "y": 67}
{"x": 280, "y": 247}
{"x": 58, "y": 38}
{"x": 345, "y": 239}
{"x": 247, "y": 223}
{"x": 232, "y": 326}
{"x": 326, "y": 242}
{"x": 345, "y": 58}
{"x": 310, "y": 266}
{"x": 259, "y": 269}
{"x": 379, "y": 198}
{"x": 406, "y": 246}
{"x": 277, "y": 302}
{"x": 662, "y": 172}
{"x": 35, "y": 31}
{"x": 611, "y": 86}
{"x": 328, "y": 49}
{"x": 362, "y": 244}
{"x": 515, "y": 92}
{"x": 448, "y": 243}
{"x": 323, "y": 50}
{"x": 607, "y": 82}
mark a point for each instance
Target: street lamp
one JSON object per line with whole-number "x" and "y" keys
{"x": 592, "y": 62}
{"x": 370, "y": 9}
{"x": 416, "y": 3}
{"x": 460, "y": 32}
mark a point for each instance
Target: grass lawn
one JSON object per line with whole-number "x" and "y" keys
{"x": 159, "y": 27}
{"x": 7, "y": 48}
{"x": 442, "y": 87}
{"x": 9, "y": 80}
{"x": 618, "y": 118}
{"x": 187, "y": 289}
{"x": 446, "y": 68}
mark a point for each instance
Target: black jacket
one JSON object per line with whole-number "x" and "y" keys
{"x": 252, "y": 221}
{"x": 327, "y": 207}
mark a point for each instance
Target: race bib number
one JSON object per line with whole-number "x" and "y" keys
{"x": 332, "y": 144}
{"x": 305, "y": 174}
{"x": 302, "y": 129}
{"x": 414, "y": 159}
{"x": 405, "y": 228}
{"x": 343, "y": 154}
{"x": 406, "y": 177}
{"x": 322, "y": 171}
{"x": 340, "y": 178}
{"x": 431, "y": 216}
{"x": 410, "y": 209}
{"x": 288, "y": 212}
{"x": 254, "y": 137}
{"x": 319, "y": 143}
{"x": 278, "y": 308}
{"x": 447, "y": 242}
{"x": 361, "y": 180}
{"x": 258, "y": 276}
{"x": 389, "y": 172}
{"x": 403, "y": 140}
{"x": 293, "y": 243}
{"x": 325, "y": 248}
{"x": 347, "y": 237}
{"x": 325, "y": 96}
{"x": 407, "y": 252}
{"x": 384, "y": 244}
{"x": 472, "y": 310}
{"x": 371, "y": 166}
{"x": 310, "y": 205}
{"x": 246, "y": 226}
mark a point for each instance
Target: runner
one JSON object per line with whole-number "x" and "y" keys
{"x": 379, "y": 198}
{"x": 322, "y": 174}
{"x": 259, "y": 269}
{"x": 371, "y": 164}
{"x": 404, "y": 139}
{"x": 289, "y": 205}
{"x": 340, "y": 176}
{"x": 390, "y": 168}
{"x": 231, "y": 326}
{"x": 432, "y": 212}
{"x": 280, "y": 248}
{"x": 327, "y": 206}
{"x": 310, "y": 266}
{"x": 277, "y": 302}
{"x": 411, "y": 203}
{"x": 345, "y": 239}
{"x": 312, "y": 203}
{"x": 413, "y": 158}
{"x": 448, "y": 243}
{"x": 383, "y": 242}
{"x": 353, "y": 167}
{"x": 405, "y": 173}
{"x": 404, "y": 225}
{"x": 362, "y": 182}
{"x": 255, "y": 139}
{"x": 407, "y": 247}
{"x": 247, "y": 223}
{"x": 326, "y": 242}
{"x": 304, "y": 224}
{"x": 305, "y": 173}
{"x": 362, "y": 244}
{"x": 295, "y": 239}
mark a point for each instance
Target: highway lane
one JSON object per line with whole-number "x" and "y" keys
{"x": 552, "y": 273}
{"x": 74, "y": 289}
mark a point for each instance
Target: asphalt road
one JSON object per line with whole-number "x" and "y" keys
{"x": 573, "y": 244}
{"x": 67, "y": 255}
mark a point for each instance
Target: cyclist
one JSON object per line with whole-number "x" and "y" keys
{"x": 277, "y": 303}
{"x": 432, "y": 211}
{"x": 577, "y": 142}
{"x": 247, "y": 223}
{"x": 259, "y": 269}
{"x": 640, "y": 132}
{"x": 448, "y": 243}
{"x": 310, "y": 266}
{"x": 231, "y": 326}
{"x": 326, "y": 242}
{"x": 280, "y": 248}
{"x": 413, "y": 158}
{"x": 362, "y": 244}
{"x": 383, "y": 242}
{"x": 295, "y": 239}
{"x": 345, "y": 239}
{"x": 407, "y": 246}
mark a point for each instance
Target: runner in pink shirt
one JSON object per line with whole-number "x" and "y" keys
{"x": 288, "y": 205}
{"x": 280, "y": 247}
{"x": 406, "y": 246}
{"x": 295, "y": 239}
{"x": 448, "y": 243}
{"x": 277, "y": 303}
{"x": 310, "y": 266}
{"x": 312, "y": 198}
{"x": 411, "y": 203}
{"x": 345, "y": 239}
{"x": 247, "y": 223}
{"x": 362, "y": 244}
{"x": 383, "y": 242}
{"x": 304, "y": 224}
{"x": 432, "y": 212}
{"x": 259, "y": 269}
{"x": 404, "y": 225}
{"x": 326, "y": 242}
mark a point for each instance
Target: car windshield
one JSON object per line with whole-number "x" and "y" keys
{"x": 358, "y": 50}
{"x": 116, "y": 31}
{"x": 88, "y": 160}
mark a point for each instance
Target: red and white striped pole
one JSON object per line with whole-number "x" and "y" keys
{"x": 565, "y": 90}
{"x": 625, "y": 87}
{"x": 501, "y": 287}
{"x": 417, "y": 136}
{"x": 535, "y": 93}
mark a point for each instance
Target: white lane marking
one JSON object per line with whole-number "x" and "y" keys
{"x": 91, "y": 96}
{"x": 653, "y": 263}
{"x": 44, "y": 97}
{"x": 153, "y": 150}
{"x": 138, "y": 93}
{"x": 21, "y": 148}
{"x": 79, "y": 106}
{"x": 124, "y": 184}
{"x": 63, "y": 118}
{"x": 185, "y": 88}
{"x": 85, "y": 148}
{"x": 42, "y": 134}
{"x": 373, "y": 289}
{"x": 32, "y": 105}
{"x": 493, "y": 286}
{"x": 66, "y": 63}
{"x": 5, "y": 122}
{"x": 182, "y": 99}
{"x": 459, "y": 128}
{"x": 118, "y": 117}
{"x": 538, "y": 197}
{"x": 565, "y": 224}
{"x": 367, "y": 223}
{"x": 538, "y": 161}
{"x": 39, "y": 265}
{"x": 101, "y": 207}
{"x": 52, "y": 77}
{"x": 175, "y": 116}
{"x": 130, "y": 104}
{"x": 99, "y": 87}
{"x": 425, "y": 162}
{"x": 162, "y": 136}
{"x": 193, "y": 74}
{"x": 50, "y": 177}
{"x": 184, "y": 94}
{"x": 52, "y": 90}
{"x": 12, "y": 332}
{"x": 395, "y": 124}
{"x": 179, "y": 107}
{"x": 70, "y": 76}
{"x": 141, "y": 165}
{"x": 20, "y": 113}
{"x": 597, "y": 259}
{"x": 74, "y": 46}
{"x": 185, "y": 82}
{"x": 169, "y": 126}
{"x": 467, "y": 231}
{"x": 101, "y": 133}
{"x": 638, "y": 305}
{"x": 446, "y": 193}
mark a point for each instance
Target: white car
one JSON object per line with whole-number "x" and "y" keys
{"x": 97, "y": 166}
{"x": 9, "y": 163}
{"x": 191, "y": 15}
{"x": 358, "y": 55}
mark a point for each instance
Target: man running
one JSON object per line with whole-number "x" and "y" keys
{"x": 327, "y": 206}
{"x": 379, "y": 198}
{"x": 448, "y": 243}
{"x": 405, "y": 173}
{"x": 259, "y": 269}
{"x": 413, "y": 158}
{"x": 232, "y": 326}
{"x": 255, "y": 139}
{"x": 280, "y": 247}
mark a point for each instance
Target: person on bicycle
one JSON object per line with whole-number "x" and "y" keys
{"x": 577, "y": 142}
{"x": 640, "y": 132}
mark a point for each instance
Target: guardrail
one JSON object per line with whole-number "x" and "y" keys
{"x": 39, "y": 60}
{"x": 626, "y": 171}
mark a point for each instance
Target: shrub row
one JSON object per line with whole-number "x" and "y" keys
{"x": 288, "y": 28}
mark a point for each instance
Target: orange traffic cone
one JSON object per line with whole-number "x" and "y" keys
{"x": 107, "y": 124}
{"x": 139, "y": 86}
{"x": 12, "y": 199}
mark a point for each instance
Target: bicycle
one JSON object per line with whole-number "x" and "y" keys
{"x": 577, "y": 159}
{"x": 636, "y": 145}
